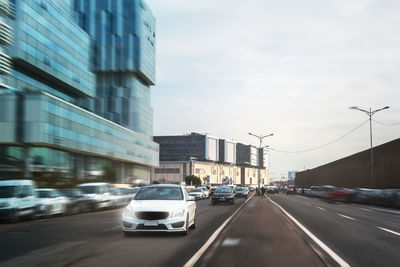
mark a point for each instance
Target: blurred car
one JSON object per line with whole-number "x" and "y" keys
{"x": 223, "y": 194}
{"x": 206, "y": 192}
{"x": 197, "y": 193}
{"x": 242, "y": 192}
{"x": 361, "y": 195}
{"x": 17, "y": 199}
{"x": 290, "y": 191}
{"x": 392, "y": 198}
{"x": 51, "y": 202}
{"x": 340, "y": 194}
{"x": 129, "y": 193}
{"x": 161, "y": 208}
{"x": 78, "y": 202}
{"x": 99, "y": 193}
{"x": 271, "y": 189}
{"x": 251, "y": 188}
{"x": 117, "y": 197}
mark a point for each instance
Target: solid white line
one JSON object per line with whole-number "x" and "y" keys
{"x": 320, "y": 208}
{"x": 212, "y": 238}
{"x": 365, "y": 209}
{"x": 347, "y": 217}
{"x": 330, "y": 252}
{"x": 390, "y": 231}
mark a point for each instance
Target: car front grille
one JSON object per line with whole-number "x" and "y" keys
{"x": 151, "y": 215}
{"x": 156, "y": 227}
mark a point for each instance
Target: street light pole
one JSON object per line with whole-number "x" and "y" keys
{"x": 260, "y": 138}
{"x": 370, "y": 113}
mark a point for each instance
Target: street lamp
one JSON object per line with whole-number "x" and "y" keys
{"x": 260, "y": 138}
{"x": 370, "y": 113}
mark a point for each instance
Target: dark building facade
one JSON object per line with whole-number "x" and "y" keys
{"x": 354, "y": 171}
{"x": 247, "y": 155}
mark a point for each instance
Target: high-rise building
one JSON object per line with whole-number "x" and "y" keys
{"x": 247, "y": 155}
{"x": 124, "y": 59}
{"x": 49, "y": 127}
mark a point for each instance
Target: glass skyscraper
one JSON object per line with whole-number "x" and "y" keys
{"x": 78, "y": 96}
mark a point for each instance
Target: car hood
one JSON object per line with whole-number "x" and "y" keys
{"x": 157, "y": 205}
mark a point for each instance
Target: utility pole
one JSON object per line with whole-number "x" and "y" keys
{"x": 260, "y": 138}
{"x": 370, "y": 113}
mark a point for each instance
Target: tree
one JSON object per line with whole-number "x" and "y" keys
{"x": 192, "y": 180}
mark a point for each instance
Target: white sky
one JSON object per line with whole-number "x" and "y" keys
{"x": 291, "y": 68}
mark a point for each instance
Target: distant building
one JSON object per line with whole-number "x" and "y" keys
{"x": 263, "y": 157}
{"x": 292, "y": 175}
{"x": 247, "y": 154}
{"x": 227, "y": 151}
{"x": 185, "y": 147}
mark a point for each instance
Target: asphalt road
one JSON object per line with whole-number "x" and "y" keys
{"x": 95, "y": 239}
{"x": 361, "y": 235}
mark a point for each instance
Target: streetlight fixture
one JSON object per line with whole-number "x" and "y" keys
{"x": 370, "y": 113}
{"x": 260, "y": 138}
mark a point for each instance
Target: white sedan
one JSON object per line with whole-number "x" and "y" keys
{"x": 51, "y": 202}
{"x": 161, "y": 208}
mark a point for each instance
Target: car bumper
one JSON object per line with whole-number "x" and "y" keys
{"x": 130, "y": 224}
{"x": 223, "y": 199}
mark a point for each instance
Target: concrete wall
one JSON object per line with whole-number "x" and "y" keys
{"x": 354, "y": 171}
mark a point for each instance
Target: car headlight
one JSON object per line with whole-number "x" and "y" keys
{"x": 177, "y": 213}
{"x": 128, "y": 212}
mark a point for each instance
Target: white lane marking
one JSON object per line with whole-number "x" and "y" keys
{"x": 347, "y": 217}
{"x": 320, "y": 208}
{"x": 387, "y": 210}
{"x": 230, "y": 242}
{"x": 390, "y": 231}
{"x": 192, "y": 261}
{"x": 305, "y": 203}
{"x": 365, "y": 209}
{"x": 330, "y": 252}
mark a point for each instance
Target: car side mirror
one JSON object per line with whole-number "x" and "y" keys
{"x": 190, "y": 198}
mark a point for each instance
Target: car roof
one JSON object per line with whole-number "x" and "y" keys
{"x": 15, "y": 182}
{"x": 93, "y": 184}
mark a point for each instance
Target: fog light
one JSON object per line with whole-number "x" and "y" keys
{"x": 127, "y": 224}
{"x": 178, "y": 224}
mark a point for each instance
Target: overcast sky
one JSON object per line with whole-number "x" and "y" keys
{"x": 291, "y": 68}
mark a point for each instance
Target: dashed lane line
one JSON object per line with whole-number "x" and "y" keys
{"x": 390, "y": 231}
{"x": 347, "y": 217}
{"x": 320, "y": 208}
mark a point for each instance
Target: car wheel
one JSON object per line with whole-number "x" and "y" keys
{"x": 186, "y": 231}
{"x": 14, "y": 216}
{"x": 194, "y": 225}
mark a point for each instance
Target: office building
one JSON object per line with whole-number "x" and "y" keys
{"x": 227, "y": 151}
{"x": 247, "y": 155}
{"x": 185, "y": 147}
{"x": 53, "y": 126}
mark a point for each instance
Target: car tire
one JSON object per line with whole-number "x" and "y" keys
{"x": 186, "y": 231}
{"x": 194, "y": 225}
{"x": 14, "y": 216}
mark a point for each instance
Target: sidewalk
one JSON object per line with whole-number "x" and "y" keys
{"x": 260, "y": 235}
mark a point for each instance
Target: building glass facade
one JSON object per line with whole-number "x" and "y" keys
{"x": 124, "y": 52}
{"x": 48, "y": 113}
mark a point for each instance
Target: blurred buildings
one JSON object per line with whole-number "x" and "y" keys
{"x": 77, "y": 101}
{"x": 210, "y": 158}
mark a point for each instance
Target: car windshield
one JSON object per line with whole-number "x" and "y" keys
{"x": 7, "y": 191}
{"x": 223, "y": 190}
{"x": 70, "y": 192}
{"x": 43, "y": 194}
{"x": 159, "y": 193}
{"x": 134, "y": 190}
{"x": 196, "y": 190}
{"x": 90, "y": 189}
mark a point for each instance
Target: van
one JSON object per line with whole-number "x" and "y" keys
{"x": 17, "y": 199}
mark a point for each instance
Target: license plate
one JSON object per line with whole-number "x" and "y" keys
{"x": 151, "y": 223}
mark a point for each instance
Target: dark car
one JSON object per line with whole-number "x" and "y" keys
{"x": 242, "y": 192}
{"x": 78, "y": 201}
{"x": 212, "y": 190}
{"x": 223, "y": 194}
